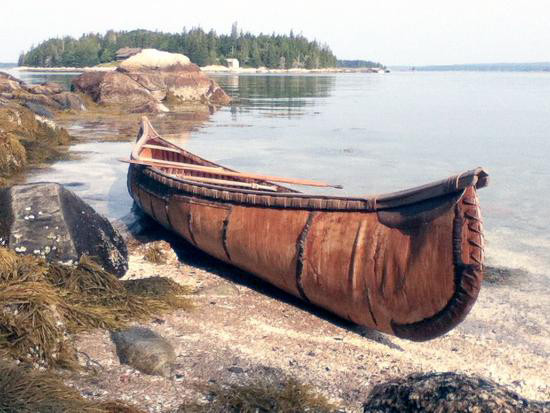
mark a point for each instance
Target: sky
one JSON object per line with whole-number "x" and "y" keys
{"x": 394, "y": 32}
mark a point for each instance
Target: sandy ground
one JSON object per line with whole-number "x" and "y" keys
{"x": 240, "y": 324}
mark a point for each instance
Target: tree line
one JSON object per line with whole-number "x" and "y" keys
{"x": 203, "y": 48}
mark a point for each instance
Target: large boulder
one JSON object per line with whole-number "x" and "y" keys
{"x": 447, "y": 392}
{"x": 144, "y": 82}
{"x": 47, "y": 220}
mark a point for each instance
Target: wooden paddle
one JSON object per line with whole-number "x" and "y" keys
{"x": 224, "y": 172}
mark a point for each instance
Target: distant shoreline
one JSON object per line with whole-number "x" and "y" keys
{"x": 208, "y": 69}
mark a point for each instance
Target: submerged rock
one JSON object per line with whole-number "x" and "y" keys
{"x": 144, "y": 350}
{"x": 447, "y": 392}
{"x": 47, "y": 220}
{"x": 147, "y": 80}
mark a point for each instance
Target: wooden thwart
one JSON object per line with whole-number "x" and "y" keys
{"x": 224, "y": 172}
{"x": 161, "y": 148}
{"x": 228, "y": 182}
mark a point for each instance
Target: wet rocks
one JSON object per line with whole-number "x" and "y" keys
{"x": 447, "y": 392}
{"x": 47, "y": 220}
{"x": 38, "y": 109}
{"x": 148, "y": 80}
{"x": 51, "y": 95}
{"x": 26, "y": 137}
{"x": 144, "y": 350}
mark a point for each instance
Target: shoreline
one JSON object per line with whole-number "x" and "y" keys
{"x": 217, "y": 69}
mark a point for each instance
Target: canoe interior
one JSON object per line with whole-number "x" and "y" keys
{"x": 155, "y": 147}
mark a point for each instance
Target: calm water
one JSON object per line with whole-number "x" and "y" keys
{"x": 374, "y": 134}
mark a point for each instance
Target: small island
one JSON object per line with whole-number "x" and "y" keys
{"x": 210, "y": 50}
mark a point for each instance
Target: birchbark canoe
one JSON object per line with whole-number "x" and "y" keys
{"x": 408, "y": 263}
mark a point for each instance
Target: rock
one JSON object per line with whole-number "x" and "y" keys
{"x": 224, "y": 289}
{"x": 114, "y": 88}
{"x": 50, "y": 95}
{"x": 44, "y": 88}
{"x": 9, "y": 84}
{"x": 149, "y": 107}
{"x": 39, "y": 109}
{"x": 154, "y": 59}
{"x": 70, "y": 101}
{"x": 217, "y": 95}
{"x": 143, "y": 82}
{"x": 447, "y": 392}
{"x": 26, "y": 137}
{"x": 144, "y": 350}
{"x": 235, "y": 369}
{"x": 47, "y": 220}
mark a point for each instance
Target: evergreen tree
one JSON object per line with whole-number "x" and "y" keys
{"x": 273, "y": 51}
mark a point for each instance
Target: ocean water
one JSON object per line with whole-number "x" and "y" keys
{"x": 372, "y": 133}
{"x": 376, "y": 133}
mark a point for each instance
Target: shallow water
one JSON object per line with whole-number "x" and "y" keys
{"x": 372, "y": 133}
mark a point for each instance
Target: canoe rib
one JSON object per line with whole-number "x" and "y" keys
{"x": 408, "y": 263}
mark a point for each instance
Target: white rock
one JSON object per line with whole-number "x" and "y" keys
{"x": 154, "y": 59}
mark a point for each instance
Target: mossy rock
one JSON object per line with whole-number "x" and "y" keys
{"x": 144, "y": 350}
{"x": 26, "y": 138}
{"x": 447, "y": 392}
{"x": 13, "y": 156}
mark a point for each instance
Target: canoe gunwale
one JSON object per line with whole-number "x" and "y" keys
{"x": 477, "y": 178}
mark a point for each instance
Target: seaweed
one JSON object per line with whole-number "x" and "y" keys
{"x": 43, "y": 303}
{"x": 154, "y": 254}
{"x": 261, "y": 396}
{"x": 13, "y": 156}
{"x": 25, "y": 390}
{"x": 27, "y": 139}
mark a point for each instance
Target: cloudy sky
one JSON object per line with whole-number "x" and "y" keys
{"x": 394, "y": 32}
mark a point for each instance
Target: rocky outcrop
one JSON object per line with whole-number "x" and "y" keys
{"x": 26, "y": 137}
{"x": 447, "y": 392}
{"x": 47, "y": 220}
{"x": 144, "y": 350}
{"x": 144, "y": 83}
{"x": 50, "y": 95}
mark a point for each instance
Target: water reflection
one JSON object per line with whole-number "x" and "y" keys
{"x": 275, "y": 95}
{"x": 63, "y": 79}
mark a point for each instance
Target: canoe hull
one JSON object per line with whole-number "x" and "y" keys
{"x": 413, "y": 271}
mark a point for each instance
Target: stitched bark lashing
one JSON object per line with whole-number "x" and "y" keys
{"x": 371, "y": 312}
{"x": 225, "y": 228}
{"x": 300, "y": 254}
{"x": 467, "y": 280}
{"x": 190, "y": 227}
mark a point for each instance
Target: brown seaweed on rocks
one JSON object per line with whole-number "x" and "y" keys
{"x": 42, "y": 304}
